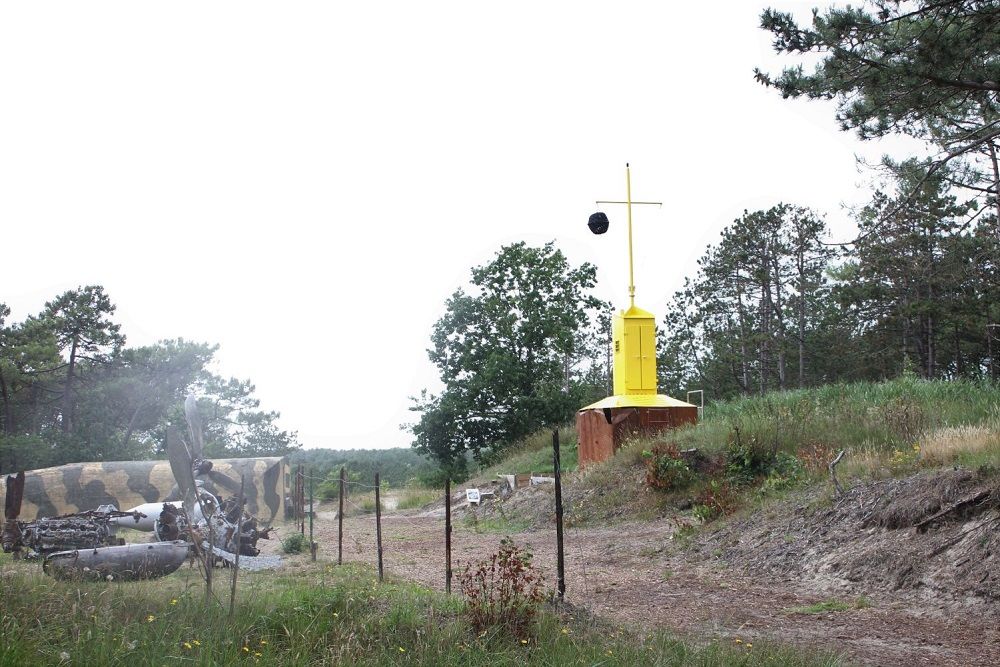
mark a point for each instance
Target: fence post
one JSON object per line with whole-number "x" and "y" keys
{"x": 302, "y": 499}
{"x": 378, "y": 526}
{"x": 447, "y": 536}
{"x": 312, "y": 510}
{"x": 560, "y": 560}
{"x": 340, "y": 522}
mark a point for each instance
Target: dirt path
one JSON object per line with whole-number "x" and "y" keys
{"x": 625, "y": 574}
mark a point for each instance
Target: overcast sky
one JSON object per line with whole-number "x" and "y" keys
{"x": 305, "y": 183}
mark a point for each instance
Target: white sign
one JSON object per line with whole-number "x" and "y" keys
{"x": 472, "y": 495}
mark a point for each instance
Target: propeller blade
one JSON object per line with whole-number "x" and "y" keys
{"x": 180, "y": 464}
{"x": 194, "y": 426}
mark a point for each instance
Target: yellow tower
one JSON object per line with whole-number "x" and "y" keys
{"x": 636, "y": 406}
{"x": 634, "y": 336}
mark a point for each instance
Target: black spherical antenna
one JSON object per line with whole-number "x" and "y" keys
{"x": 598, "y": 223}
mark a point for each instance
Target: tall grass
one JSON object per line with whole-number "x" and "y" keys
{"x": 534, "y": 454}
{"x": 317, "y": 615}
{"x": 880, "y": 417}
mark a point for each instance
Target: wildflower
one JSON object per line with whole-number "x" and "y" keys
{"x": 263, "y": 642}
{"x": 749, "y": 645}
{"x": 150, "y": 618}
{"x": 738, "y": 640}
{"x": 257, "y": 654}
{"x": 187, "y": 645}
{"x": 196, "y": 642}
{"x": 524, "y": 641}
{"x": 565, "y": 631}
{"x": 173, "y": 601}
{"x": 336, "y": 615}
{"x": 402, "y": 650}
{"x": 246, "y": 649}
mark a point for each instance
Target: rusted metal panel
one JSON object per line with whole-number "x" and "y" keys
{"x": 602, "y": 432}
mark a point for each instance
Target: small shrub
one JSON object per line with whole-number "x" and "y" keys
{"x": 666, "y": 469}
{"x": 785, "y": 473}
{"x": 503, "y": 591}
{"x": 747, "y": 457}
{"x": 717, "y": 499}
{"x": 294, "y": 544}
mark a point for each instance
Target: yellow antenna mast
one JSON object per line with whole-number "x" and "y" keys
{"x": 628, "y": 203}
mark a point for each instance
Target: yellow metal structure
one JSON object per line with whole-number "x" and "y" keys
{"x": 634, "y": 334}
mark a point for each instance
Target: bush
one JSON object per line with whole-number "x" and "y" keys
{"x": 294, "y": 544}
{"x": 786, "y": 472}
{"x": 717, "y": 499}
{"x": 747, "y": 457}
{"x": 666, "y": 469}
{"x": 503, "y": 591}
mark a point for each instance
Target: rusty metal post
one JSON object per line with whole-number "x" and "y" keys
{"x": 302, "y": 499}
{"x": 340, "y": 522}
{"x": 312, "y": 510}
{"x": 560, "y": 558}
{"x": 447, "y": 536}
{"x": 378, "y": 527}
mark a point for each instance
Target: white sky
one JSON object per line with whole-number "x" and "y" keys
{"x": 305, "y": 183}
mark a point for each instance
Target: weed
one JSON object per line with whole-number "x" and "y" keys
{"x": 503, "y": 592}
{"x": 666, "y": 469}
{"x": 294, "y": 544}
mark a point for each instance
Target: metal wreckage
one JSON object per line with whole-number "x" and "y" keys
{"x": 190, "y": 521}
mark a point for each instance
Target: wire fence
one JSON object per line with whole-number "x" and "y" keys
{"x": 366, "y": 542}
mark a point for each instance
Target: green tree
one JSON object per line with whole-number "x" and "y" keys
{"x": 747, "y": 321}
{"x": 929, "y": 69}
{"x": 917, "y": 287}
{"x": 81, "y": 322}
{"x": 511, "y": 354}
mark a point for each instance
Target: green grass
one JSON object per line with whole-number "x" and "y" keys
{"x": 873, "y": 416}
{"x": 416, "y": 497}
{"x": 318, "y": 615}
{"x": 534, "y": 454}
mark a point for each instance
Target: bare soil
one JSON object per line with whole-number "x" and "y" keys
{"x": 929, "y": 597}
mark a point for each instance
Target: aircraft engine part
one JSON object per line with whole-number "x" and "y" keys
{"x": 72, "y": 531}
{"x": 118, "y": 563}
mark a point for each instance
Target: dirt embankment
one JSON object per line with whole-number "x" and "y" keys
{"x": 933, "y": 537}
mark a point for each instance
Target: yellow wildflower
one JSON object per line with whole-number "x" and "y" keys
{"x": 187, "y": 645}
{"x": 196, "y": 642}
{"x": 150, "y": 618}
{"x": 402, "y": 650}
{"x": 263, "y": 642}
{"x": 173, "y": 601}
{"x": 246, "y": 649}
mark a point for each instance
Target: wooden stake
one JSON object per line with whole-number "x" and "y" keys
{"x": 447, "y": 536}
{"x": 560, "y": 561}
{"x": 340, "y": 522}
{"x": 378, "y": 527}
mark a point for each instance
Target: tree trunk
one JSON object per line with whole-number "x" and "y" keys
{"x": 67, "y": 408}
{"x": 996, "y": 183}
{"x": 8, "y": 411}
{"x": 800, "y": 262}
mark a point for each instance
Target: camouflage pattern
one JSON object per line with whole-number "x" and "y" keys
{"x": 78, "y": 487}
